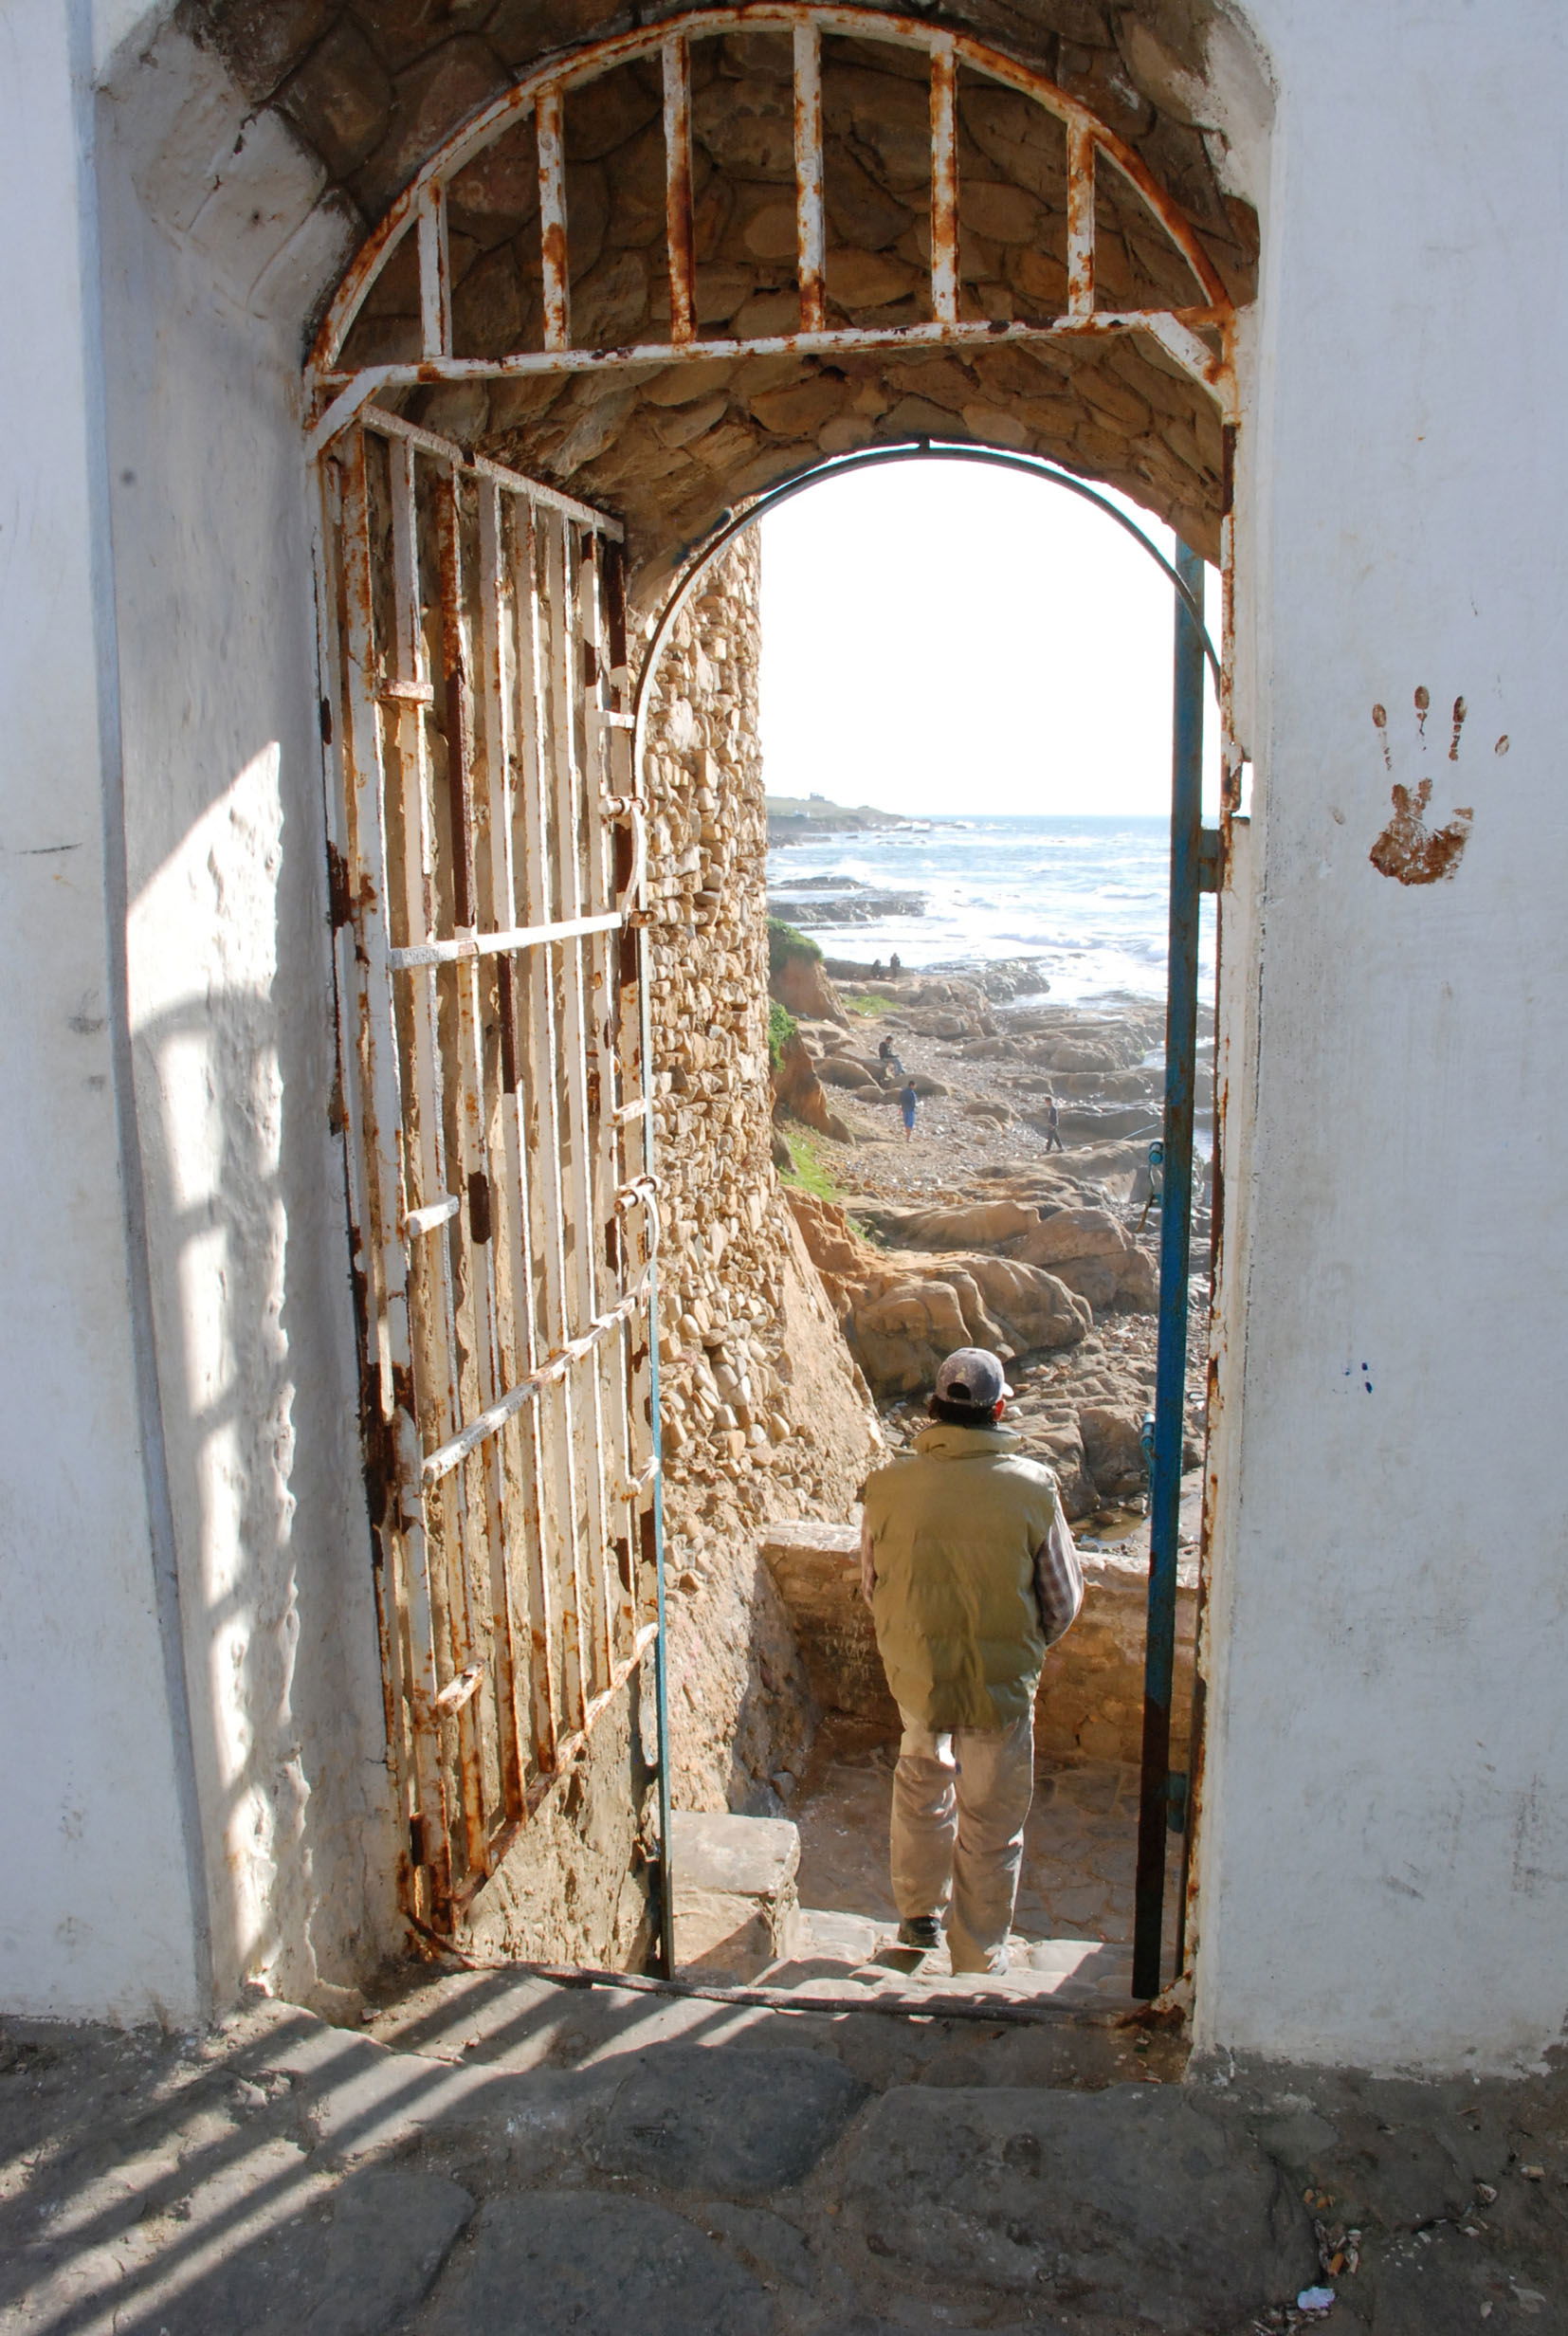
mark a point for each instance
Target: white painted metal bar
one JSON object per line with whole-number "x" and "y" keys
{"x": 613, "y": 1455}
{"x": 434, "y": 1315}
{"x": 466, "y": 946}
{"x": 1081, "y": 145}
{"x": 352, "y": 986}
{"x": 389, "y": 1397}
{"x": 944, "y": 180}
{"x": 558, "y": 297}
{"x": 435, "y": 272}
{"x": 467, "y": 780}
{"x": 515, "y": 1345}
{"x": 460, "y": 1691}
{"x": 810, "y": 239}
{"x": 678, "y": 234}
{"x": 577, "y": 1039}
{"x": 1196, "y": 358}
{"x": 430, "y": 1219}
{"x": 533, "y": 1134}
{"x": 546, "y": 851}
{"x": 835, "y": 340}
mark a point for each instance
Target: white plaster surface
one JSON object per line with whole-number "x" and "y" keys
{"x": 231, "y": 1011}
{"x": 96, "y": 1914}
{"x": 1385, "y": 1857}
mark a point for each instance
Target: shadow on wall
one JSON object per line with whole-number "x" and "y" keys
{"x": 245, "y": 1211}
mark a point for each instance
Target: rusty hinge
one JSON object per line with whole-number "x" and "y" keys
{"x": 1209, "y": 859}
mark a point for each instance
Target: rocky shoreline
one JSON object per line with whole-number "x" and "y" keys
{"x": 972, "y": 1230}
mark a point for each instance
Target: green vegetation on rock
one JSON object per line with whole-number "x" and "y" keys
{"x": 781, "y": 1029}
{"x": 785, "y": 942}
{"x": 807, "y": 1168}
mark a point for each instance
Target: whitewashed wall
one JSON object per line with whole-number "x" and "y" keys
{"x": 191, "y": 1681}
{"x": 1385, "y": 1859}
{"x": 99, "y": 1914}
{"x": 213, "y": 253}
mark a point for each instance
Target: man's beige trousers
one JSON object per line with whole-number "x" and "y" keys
{"x": 960, "y": 1802}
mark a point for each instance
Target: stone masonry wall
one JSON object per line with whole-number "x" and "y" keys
{"x": 764, "y": 1416}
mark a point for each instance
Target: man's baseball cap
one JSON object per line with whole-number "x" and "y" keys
{"x": 973, "y": 1375}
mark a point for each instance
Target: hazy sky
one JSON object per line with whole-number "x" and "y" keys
{"x": 938, "y": 636}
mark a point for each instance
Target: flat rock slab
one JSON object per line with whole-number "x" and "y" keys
{"x": 1129, "y": 2202}
{"x": 737, "y": 2124}
{"x": 756, "y": 1856}
{"x": 578, "y": 2263}
{"x": 352, "y": 2259}
{"x": 352, "y": 2268}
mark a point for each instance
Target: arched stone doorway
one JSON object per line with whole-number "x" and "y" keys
{"x": 499, "y": 342}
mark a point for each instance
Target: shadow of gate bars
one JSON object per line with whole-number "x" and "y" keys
{"x": 490, "y": 841}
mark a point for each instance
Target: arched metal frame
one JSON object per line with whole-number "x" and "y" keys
{"x": 1196, "y": 336}
{"x": 735, "y": 523}
{"x": 421, "y": 210}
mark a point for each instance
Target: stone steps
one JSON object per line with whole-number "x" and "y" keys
{"x": 738, "y": 1920}
{"x": 836, "y": 1951}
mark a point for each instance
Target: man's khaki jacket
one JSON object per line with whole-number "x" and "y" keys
{"x": 971, "y": 1574}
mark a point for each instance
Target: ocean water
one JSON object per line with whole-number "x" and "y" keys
{"x": 1086, "y": 895}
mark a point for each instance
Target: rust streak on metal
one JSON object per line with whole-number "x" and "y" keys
{"x": 678, "y": 220}
{"x": 552, "y": 155}
{"x": 944, "y": 180}
{"x": 810, "y": 242}
{"x": 1081, "y": 145}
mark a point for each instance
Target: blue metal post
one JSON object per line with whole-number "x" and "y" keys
{"x": 666, "y": 1952}
{"x": 1175, "y": 1225}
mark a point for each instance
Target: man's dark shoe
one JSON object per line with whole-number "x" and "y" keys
{"x": 922, "y": 1930}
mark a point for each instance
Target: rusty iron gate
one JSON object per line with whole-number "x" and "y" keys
{"x": 487, "y": 862}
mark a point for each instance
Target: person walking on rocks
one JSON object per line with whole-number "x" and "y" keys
{"x": 969, "y": 1569}
{"x": 1053, "y": 1127}
{"x": 906, "y": 1105}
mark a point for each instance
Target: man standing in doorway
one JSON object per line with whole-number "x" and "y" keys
{"x": 970, "y": 1572}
